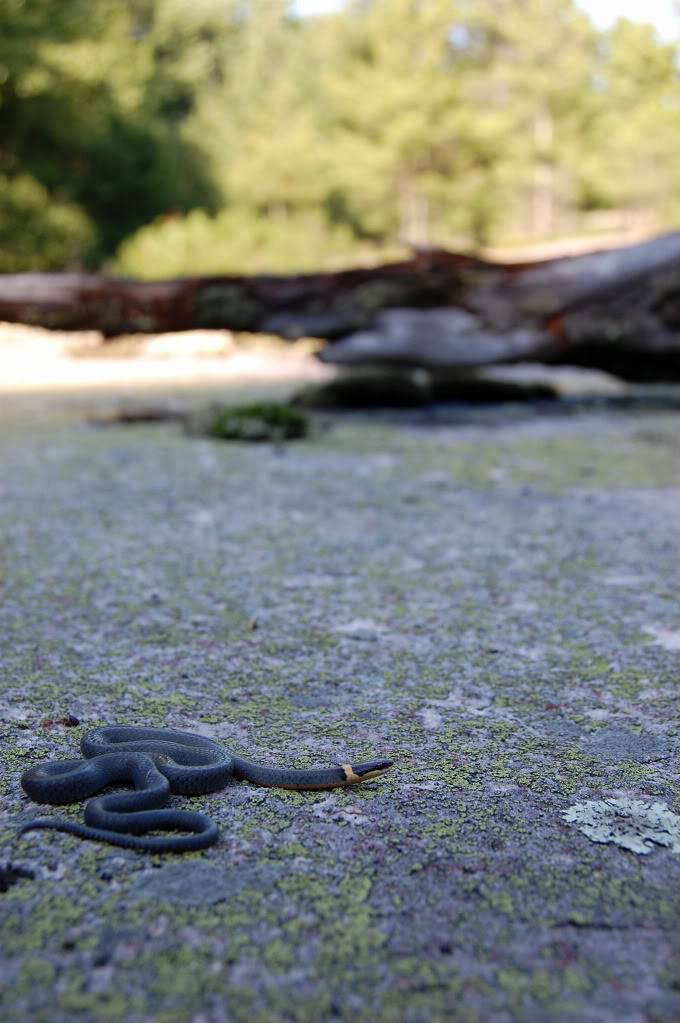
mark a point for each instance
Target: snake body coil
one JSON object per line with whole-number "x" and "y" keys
{"x": 158, "y": 762}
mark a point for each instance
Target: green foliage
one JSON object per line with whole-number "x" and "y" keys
{"x": 642, "y": 79}
{"x": 76, "y": 115}
{"x": 238, "y": 240}
{"x": 261, "y": 421}
{"x": 36, "y": 233}
{"x": 233, "y": 136}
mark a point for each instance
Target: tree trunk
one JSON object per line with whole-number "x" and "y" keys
{"x": 617, "y": 310}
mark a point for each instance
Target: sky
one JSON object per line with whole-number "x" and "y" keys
{"x": 660, "y": 13}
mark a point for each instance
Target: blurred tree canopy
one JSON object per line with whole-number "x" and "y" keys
{"x": 157, "y": 137}
{"x": 90, "y": 147}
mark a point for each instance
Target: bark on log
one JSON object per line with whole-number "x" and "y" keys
{"x": 617, "y": 310}
{"x": 325, "y": 305}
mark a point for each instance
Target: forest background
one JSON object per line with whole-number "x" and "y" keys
{"x": 160, "y": 137}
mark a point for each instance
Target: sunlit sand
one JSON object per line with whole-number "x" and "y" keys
{"x": 33, "y": 359}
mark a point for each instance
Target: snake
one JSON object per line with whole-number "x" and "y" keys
{"x": 157, "y": 762}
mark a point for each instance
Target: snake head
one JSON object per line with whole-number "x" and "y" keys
{"x": 355, "y": 773}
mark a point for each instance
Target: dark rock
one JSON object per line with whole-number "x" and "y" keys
{"x": 392, "y": 388}
{"x": 383, "y": 389}
{"x": 11, "y": 874}
{"x": 480, "y": 390}
{"x": 664, "y": 1008}
{"x": 201, "y": 884}
{"x": 562, "y": 728}
{"x": 615, "y": 745}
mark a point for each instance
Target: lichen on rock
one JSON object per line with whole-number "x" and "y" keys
{"x": 633, "y": 824}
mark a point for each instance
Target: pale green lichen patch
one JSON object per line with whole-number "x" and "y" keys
{"x": 633, "y": 824}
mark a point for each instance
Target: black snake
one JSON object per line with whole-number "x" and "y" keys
{"x": 156, "y": 762}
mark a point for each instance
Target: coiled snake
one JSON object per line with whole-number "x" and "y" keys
{"x": 158, "y": 761}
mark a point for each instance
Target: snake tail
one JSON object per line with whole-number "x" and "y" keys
{"x": 314, "y": 778}
{"x": 199, "y": 839}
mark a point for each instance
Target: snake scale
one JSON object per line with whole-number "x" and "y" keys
{"x": 158, "y": 762}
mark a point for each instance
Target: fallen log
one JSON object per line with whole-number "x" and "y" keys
{"x": 617, "y": 309}
{"x": 327, "y": 305}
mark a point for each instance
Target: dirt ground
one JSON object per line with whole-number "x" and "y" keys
{"x": 490, "y": 598}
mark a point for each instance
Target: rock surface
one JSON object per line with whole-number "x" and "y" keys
{"x": 481, "y": 600}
